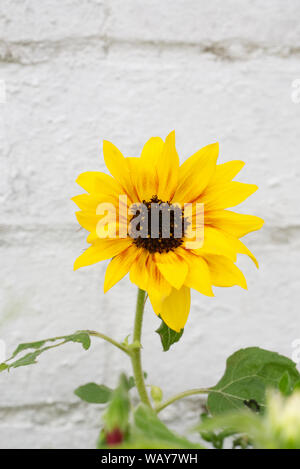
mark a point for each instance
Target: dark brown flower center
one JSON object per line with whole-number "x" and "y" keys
{"x": 157, "y": 226}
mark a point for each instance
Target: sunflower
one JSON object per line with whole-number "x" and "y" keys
{"x": 167, "y": 267}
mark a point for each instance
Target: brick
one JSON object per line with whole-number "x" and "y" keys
{"x": 54, "y": 20}
{"x": 80, "y": 72}
{"x": 246, "y": 23}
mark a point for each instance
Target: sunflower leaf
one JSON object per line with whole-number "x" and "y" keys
{"x": 296, "y": 386}
{"x": 168, "y": 337}
{"x": 249, "y": 373}
{"x": 29, "y": 345}
{"x": 37, "y": 348}
{"x": 94, "y": 393}
{"x": 149, "y": 428}
{"x": 285, "y": 384}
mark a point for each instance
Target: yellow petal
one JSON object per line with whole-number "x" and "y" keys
{"x": 103, "y": 249}
{"x": 138, "y": 271}
{"x": 118, "y": 267}
{"x": 114, "y": 160}
{"x": 96, "y": 182}
{"x": 174, "y": 309}
{"x": 86, "y": 202}
{"x": 87, "y": 221}
{"x": 233, "y": 223}
{"x": 152, "y": 150}
{"x": 195, "y": 174}
{"x": 144, "y": 171}
{"x": 198, "y": 276}
{"x": 226, "y": 195}
{"x": 227, "y": 171}
{"x": 93, "y": 222}
{"x": 242, "y": 249}
{"x": 224, "y": 273}
{"x": 144, "y": 178}
{"x": 217, "y": 242}
{"x": 157, "y": 283}
{"x": 118, "y": 168}
{"x": 145, "y": 274}
{"x": 104, "y": 230}
{"x": 173, "y": 268}
{"x": 220, "y": 243}
{"x": 167, "y": 169}
{"x": 156, "y": 300}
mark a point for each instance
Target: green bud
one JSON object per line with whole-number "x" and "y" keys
{"x": 282, "y": 420}
{"x": 117, "y": 413}
{"x": 156, "y": 394}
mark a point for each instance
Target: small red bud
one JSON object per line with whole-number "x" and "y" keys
{"x": 114, "y": 437}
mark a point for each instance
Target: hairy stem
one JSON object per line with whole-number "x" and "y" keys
{"x": 181, "y": 395}
{"x": 136, "y": 351}
{"x": 110, "y": 340}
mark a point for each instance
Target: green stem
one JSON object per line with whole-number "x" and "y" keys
{"x": 136, "y": 351}
{"x": 181, "y": 395}
{"x": 110, "y": 340}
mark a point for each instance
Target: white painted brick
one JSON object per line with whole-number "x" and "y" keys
{"x": 49, "y": 426}
{"x": 55, "y": 121}
{"x": 271, "y": 22}
{"x": 32, "y": 20}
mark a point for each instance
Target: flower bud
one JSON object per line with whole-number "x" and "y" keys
{"x": 117, "y": 413}
{"x": 115, "y": 437}
{"x": 283, "y": 420}
{"x": 156, "y": 394}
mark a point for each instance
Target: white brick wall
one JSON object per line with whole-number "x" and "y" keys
{"x": 78, "y": 72}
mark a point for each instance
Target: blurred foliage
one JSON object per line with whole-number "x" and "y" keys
{"x": 255, "y": 404}
{"x": 277, "y": 428}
